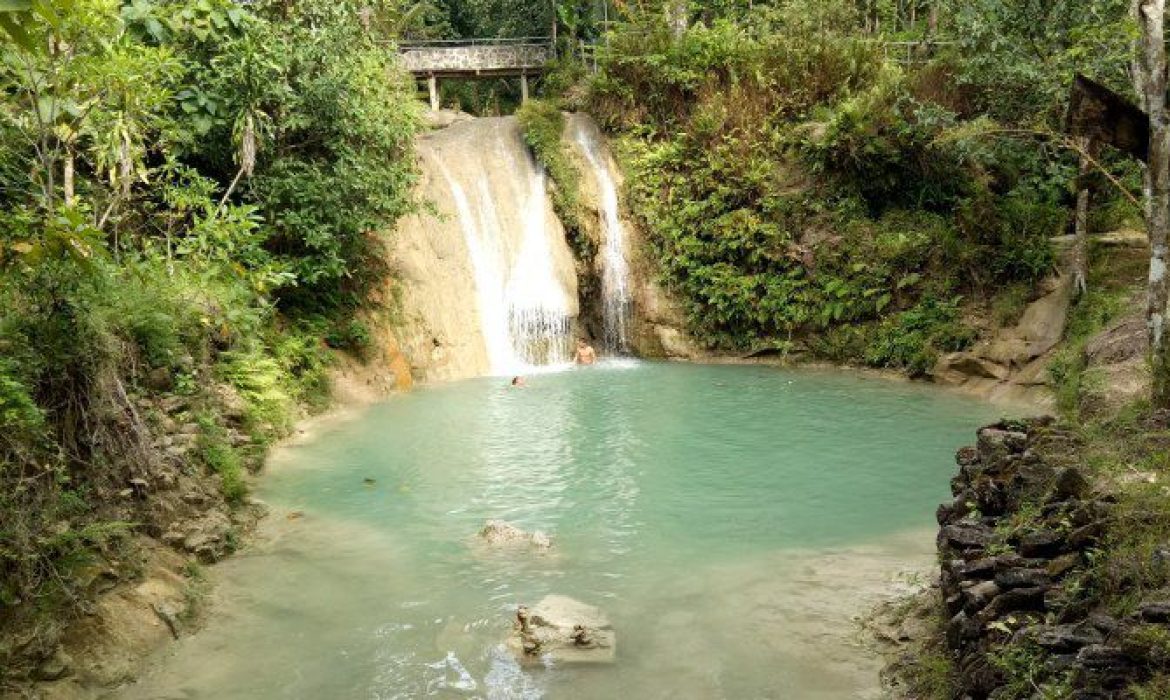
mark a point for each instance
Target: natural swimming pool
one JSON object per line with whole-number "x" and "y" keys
{"x": 729, "y": 520}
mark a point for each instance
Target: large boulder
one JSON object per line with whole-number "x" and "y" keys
{"x": 562, "y": 630}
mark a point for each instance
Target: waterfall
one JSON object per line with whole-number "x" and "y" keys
{"x": 500, "y": 200}
{"x": 538, "y": 310}
{"x": 485, "y": 256}
{"x": 615, "y": 284}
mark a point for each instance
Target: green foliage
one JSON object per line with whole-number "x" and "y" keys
{"x": 333, "y": 171}
{"x": 1017, "y": 56}
{"x": 1153, "y": 689}
{"x": 219, "y": 456}
{"x": 353, "y": 336}
{"x": 193, "y": 194}
{"x": 914, "y": 339}
{"x": 1107, "y": 299}
{"x": 543, "y": 126}
{"x": 798, "y": 186}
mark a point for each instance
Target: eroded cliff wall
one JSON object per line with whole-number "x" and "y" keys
{"x": 475, "y": 231}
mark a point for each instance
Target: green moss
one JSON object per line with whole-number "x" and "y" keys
{"x": 543, "y": 126}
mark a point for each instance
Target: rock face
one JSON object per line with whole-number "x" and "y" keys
{"x": 1005, "y": 583}
{"x": 440, "y": 328}
{"x": 657, "y": 327}
{"x": 562, "y": 630}
{"x": 1015, "y": 360}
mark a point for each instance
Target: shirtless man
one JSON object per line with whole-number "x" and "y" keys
{"x": 585, "y": 353}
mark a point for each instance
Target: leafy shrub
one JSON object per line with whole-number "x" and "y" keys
{"x": 259, "y": 379}
{"x": 352, "y": 336}
{"x": 219, "y": 456}
{"x": 543, "y": 126}
{"x": 914, "y": 339}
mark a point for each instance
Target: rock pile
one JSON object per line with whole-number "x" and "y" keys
{"x": 1012, "y": 544}
{"x": 562, "y": 630}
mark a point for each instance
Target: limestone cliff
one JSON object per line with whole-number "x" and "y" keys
{"x": 476, "y": 187}
{"x": 657, "y": 323}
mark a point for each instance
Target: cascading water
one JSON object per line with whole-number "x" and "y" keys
{"x": 539, "y": 320}
{"x": 486, "y": 258}
{"x": 523, "y": 307}
{"x": 615, "y": 284}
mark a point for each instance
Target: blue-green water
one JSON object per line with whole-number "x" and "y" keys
{"x": 729, "y": 520}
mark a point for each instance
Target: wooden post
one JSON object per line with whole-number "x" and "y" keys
{"x": 433, "y": 88}
{"x": 523, "y": 88}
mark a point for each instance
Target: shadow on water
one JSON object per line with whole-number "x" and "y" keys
{"x": 729, "y": 520}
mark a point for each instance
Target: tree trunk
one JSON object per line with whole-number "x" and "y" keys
{"x": 677, "y": 17}
{"x": 1152, "y": 16}
{"x": 67, "y": 176}
{"x": 1080, "y": 261}
{"x": 932, "y": 20}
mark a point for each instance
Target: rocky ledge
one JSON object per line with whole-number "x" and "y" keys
{"x": 1014, "y": 546}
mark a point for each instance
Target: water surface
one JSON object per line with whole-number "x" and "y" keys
{"x": 730, "y": 521}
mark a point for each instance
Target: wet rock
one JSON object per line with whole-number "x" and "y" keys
{"x": 1070, "y": 485}
{"x": 1085, "y": 536}
{"x": 1106, "y": 624}
{"x": 1015, "y": 600}
{"x": 1022, "y": 578}
{"x": 499, "y": 533}
{"x": 1063, "y": 564}
{"x": 1041, "y": 543}
{"x": 1067, "y": 638}
{"x": 562, "y": 630}
{"x": 978, "y": 569}
{"x": 966, "y": 536}
{"x": 996, "y": 443}
{"x": 1154, "y": 612}
{"x": 967, "y": 456}
{"x": 979, "y": 595}
{"x": 960, "y": 629}
{"x": 1099, "y": 657}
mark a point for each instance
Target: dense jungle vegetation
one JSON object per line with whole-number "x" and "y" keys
{"x": 193, "y": 193}
{"x": 811, "y": 185}
{"x": 190, "y": 198}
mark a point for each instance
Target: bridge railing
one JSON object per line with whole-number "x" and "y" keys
{"x": 513, "y": 56}
{"x": 446, "y": 43}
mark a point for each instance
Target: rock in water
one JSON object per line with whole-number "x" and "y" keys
{"x": 563, "y": 630}
{"x": 498, "y": 533}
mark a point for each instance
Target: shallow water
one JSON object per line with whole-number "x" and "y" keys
{"x": 730, "y": 521}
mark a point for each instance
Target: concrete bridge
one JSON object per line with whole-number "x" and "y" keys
{"x": 476, "y": 58}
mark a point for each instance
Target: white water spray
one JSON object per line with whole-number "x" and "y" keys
{"x": 615, "y": 284}
{"x": 523, "y": 309}
{"x": 538, "y": 311}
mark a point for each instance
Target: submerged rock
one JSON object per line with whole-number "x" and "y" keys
{"x": 562, "y": 630}
{"x": 500, "y": 533}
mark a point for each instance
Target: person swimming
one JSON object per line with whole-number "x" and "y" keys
{"x": 585, "y": 353}
{"x": 519, "y": 382}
